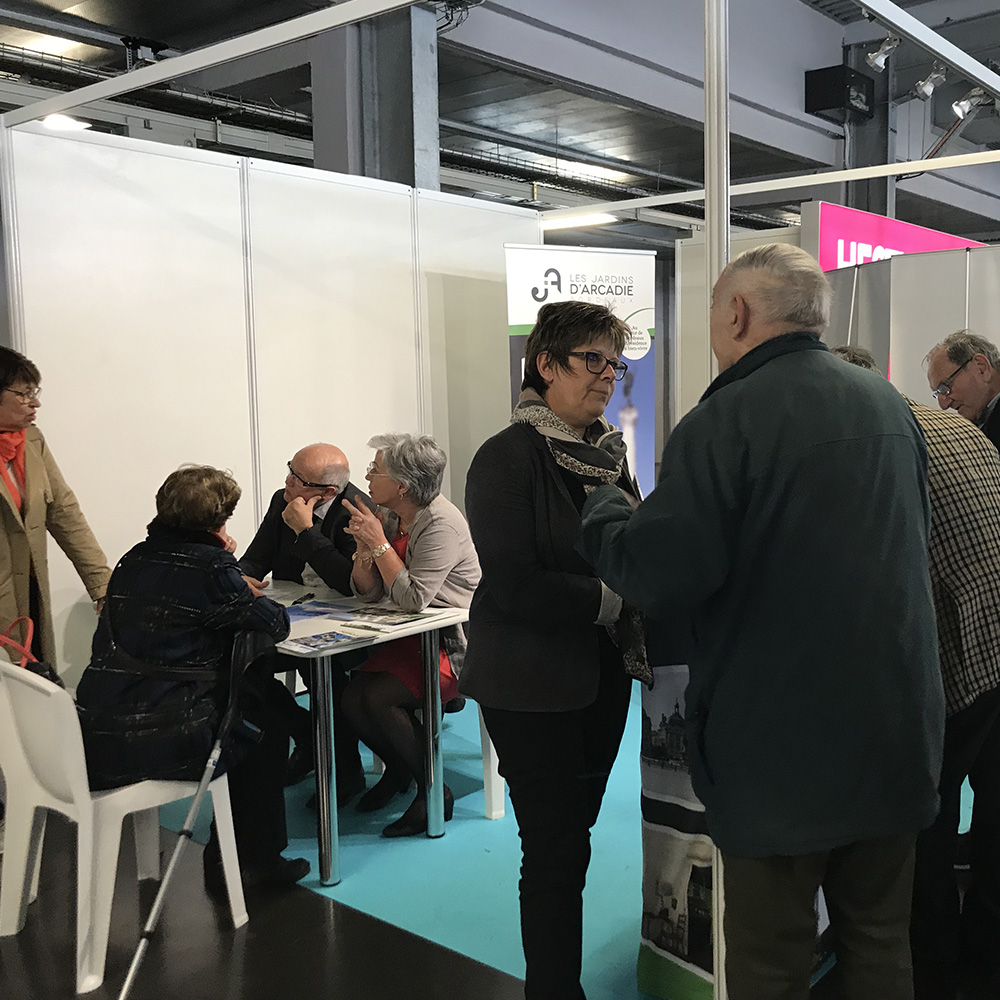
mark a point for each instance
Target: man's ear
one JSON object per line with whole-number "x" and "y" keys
{"x": 741, "y": 316}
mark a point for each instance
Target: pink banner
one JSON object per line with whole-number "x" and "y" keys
{"x": 848, "y": 236}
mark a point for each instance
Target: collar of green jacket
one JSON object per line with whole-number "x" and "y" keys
{"x": 787, "y": 343}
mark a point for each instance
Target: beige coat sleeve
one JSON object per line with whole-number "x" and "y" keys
{"x": 67, "y": 525}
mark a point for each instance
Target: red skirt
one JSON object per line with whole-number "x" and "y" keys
{"x": 402, "y": 659}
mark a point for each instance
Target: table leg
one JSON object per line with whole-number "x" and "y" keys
{"x": 326, "y": 773}
{"x": 433, "y": 765}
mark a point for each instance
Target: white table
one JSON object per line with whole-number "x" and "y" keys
{"x": 321, "y": 661}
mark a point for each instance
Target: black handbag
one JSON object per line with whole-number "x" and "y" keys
{"x": 28, "y": 659}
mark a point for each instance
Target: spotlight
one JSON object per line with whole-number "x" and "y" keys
{"x": 877, "y": 59}
{"x": 973, "y": 99}
{"x": 924, "y": 88}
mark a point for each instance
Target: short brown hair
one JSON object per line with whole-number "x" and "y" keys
{"x": 860, "y": 357}
{"x": 197, "y": 498}
{"x": 16, "y": 367}
{"x": 562, "y": 327}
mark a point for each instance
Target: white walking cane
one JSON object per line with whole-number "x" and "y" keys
{"x": 247, "y": 647}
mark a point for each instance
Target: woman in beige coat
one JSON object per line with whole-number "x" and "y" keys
{"x": 34, "y": 498}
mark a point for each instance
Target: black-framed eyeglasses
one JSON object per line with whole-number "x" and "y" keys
{"x": 28, "y": 395}
{"x": 597, "y": 363}
{"x": 943, "y": 388}
{"x": 308, "y": 485}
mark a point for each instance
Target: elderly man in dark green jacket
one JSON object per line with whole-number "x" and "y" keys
{"x": 790, "y": 527}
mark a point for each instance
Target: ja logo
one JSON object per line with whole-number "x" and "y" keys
{"x": 551, "y": 279}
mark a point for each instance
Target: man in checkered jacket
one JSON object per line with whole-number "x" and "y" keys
{"x": 964, "y": 488}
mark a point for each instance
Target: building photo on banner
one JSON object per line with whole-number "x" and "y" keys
{"x": 625, "y": 282}
{"x": 678, "y": 922}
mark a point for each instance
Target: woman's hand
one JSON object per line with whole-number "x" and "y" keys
{"x": 256, "y": 586}
{"x": 365, "y": 527}
{"x": 227, "y": 540}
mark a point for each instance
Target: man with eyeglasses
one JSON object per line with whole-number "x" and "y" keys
{"x": 963, "y": 372}
{"x": 963, "y": 471}
{"x": 302, "y": 539}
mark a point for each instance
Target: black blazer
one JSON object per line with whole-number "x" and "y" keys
{"x": 277, "y": 550}
{"x": 533, "y": 644}
{"x": 992, "y": 426}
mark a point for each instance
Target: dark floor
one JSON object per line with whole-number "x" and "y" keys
{"x": 297, "y": 944}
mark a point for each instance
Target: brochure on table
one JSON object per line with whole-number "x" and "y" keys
{"x": 324, "y": 625}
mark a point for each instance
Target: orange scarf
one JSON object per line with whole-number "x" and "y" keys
{"x": 12, "y": 450}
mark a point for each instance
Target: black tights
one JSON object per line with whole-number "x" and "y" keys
{"x": 380, "y": 708}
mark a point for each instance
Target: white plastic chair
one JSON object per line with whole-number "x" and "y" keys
{"x": 41, "y": 754}
{"x": 492, "y": 782}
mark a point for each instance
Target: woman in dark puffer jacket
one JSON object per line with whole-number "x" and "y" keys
{"x": 158, "y": 681}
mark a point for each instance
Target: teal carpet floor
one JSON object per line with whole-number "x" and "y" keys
{"x": 461, "y": 890}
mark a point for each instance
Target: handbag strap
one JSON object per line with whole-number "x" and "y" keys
{"x": 128, "y": 663}
{"x": 25, "y": 650}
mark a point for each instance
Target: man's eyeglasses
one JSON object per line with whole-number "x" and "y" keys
{"x": 27, "y": 395}
{"x": 943, "y": 387}
{"x": 308, "y": 485}
{"x": 596, "y": 363}
{"x": 372, "y": 471}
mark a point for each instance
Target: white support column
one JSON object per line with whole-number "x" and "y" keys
{"x": 716, "y": 258}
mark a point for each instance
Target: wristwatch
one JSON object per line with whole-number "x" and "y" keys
{"x": 380, "y": 550}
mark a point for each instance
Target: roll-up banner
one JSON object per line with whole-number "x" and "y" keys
{"x": 625, "y": 282}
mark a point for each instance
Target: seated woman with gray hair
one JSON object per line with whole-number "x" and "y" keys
{"x": 419, "y": 553}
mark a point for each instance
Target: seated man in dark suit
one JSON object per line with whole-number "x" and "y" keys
{"x": 302, "y": 539}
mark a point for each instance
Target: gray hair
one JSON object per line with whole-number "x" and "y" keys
{"x": 962, "y": 345}
{"x": 336, "y": 475}
{"x": 859, "y": 356}
{"x": 789, "y": 286}
{"x": 416, "y": 461}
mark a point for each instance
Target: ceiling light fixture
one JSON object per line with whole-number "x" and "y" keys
{"x": 577, "y": 221}
{"x": 924, "y": 88}
{"x": 973, "y": 99}
{"x": 877, "y": 59}
{"x": 63, "y": 123}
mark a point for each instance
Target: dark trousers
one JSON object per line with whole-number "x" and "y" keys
{"x": 556, "y": 765}
{"x": 770, "y": 921}
{"x": 256, "y": 770}
{"x": 943, "y": 930}
{"x": 347, "y": 756}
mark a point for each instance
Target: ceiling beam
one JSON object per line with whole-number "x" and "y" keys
{"x": 348, "y": 12}
{"x": 205, "y": 131}
{"x": 795, "y": 183}
{"x": 570, "y": 153}
{"x": 68, "y": 26}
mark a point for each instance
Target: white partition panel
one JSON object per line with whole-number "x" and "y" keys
{"x": 984, "y": 291}
{"x": 464, "y": 304}
{"x": 874, "y": 303}
{"x": 335, "y": 325}
{"x": 928, "y": 302}
{"x": 131, "y": 277}
{"x": 843, "y": 328}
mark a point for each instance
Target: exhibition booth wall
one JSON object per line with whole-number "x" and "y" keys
{"x": 901, "y": 307}
{"x": 898, "y": 308}
{"x": 189, "y": 306}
